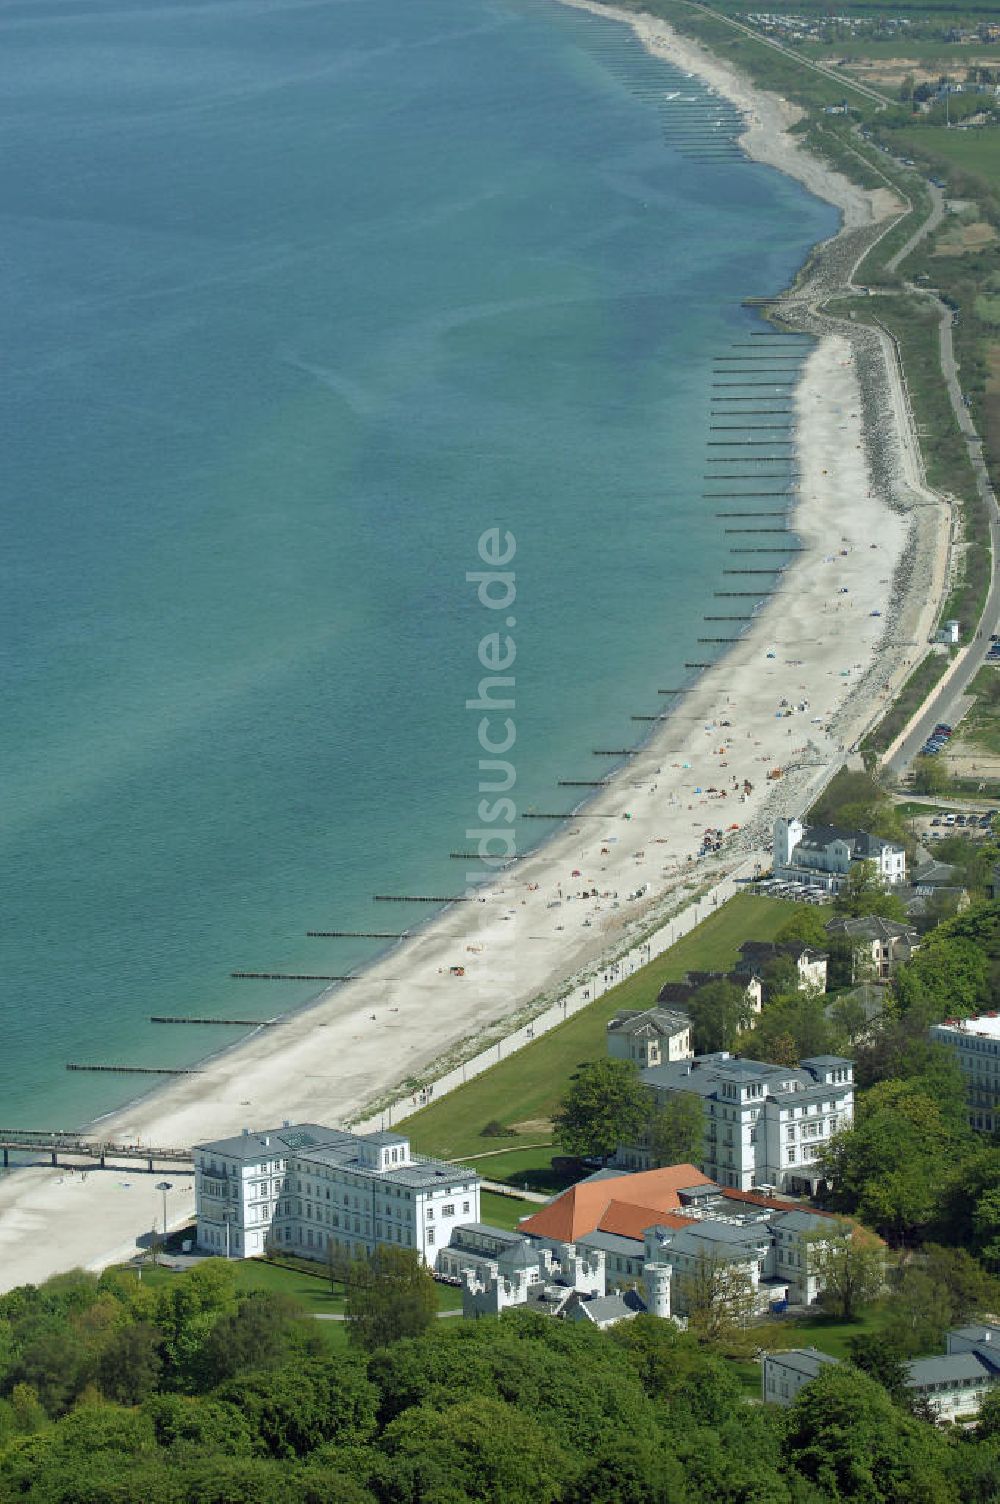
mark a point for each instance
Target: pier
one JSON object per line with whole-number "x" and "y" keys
{"x": 54, "y": 1142}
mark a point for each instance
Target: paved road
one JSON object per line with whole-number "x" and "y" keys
{"x": 930, "y": 223}
{"x": 944, "y": 705}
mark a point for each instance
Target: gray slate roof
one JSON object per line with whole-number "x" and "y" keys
{"x": 805, "y": 1360}
{"x": 949, "y": 1368}
{"x": 663, "y": 1021}
{"x": 253, "y": 1148}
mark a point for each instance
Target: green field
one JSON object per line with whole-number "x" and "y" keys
{"x": 523, "y": 1091}
{"x": 973, "y": 151}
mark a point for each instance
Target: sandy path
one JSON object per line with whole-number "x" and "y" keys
{"x": 810, "y": 645}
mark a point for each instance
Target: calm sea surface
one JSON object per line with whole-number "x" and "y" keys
{"x": 297, "y": 300}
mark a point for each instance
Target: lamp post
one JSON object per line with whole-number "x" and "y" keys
{"x": 165, "y": 1186}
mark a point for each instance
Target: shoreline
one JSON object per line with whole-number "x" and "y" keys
{"x": 531, "y": 931}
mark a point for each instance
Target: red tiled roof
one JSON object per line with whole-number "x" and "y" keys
{"x": 583, "y": 1207}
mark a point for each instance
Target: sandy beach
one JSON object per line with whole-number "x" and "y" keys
{"x": 815, "y": 668}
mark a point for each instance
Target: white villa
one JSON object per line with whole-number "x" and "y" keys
{"x": 879, "y": 946}
{"x": 650, "y": 1037}
{"x": 822, "y": 855}
{"x": 764, "y": 1124}
{"x": 306, "y": 1189}
{"x": 976, "y": 1043}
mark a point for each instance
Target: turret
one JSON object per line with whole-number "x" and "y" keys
{"x": 656, "y": 1278}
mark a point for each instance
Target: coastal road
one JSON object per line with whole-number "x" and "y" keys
{"x": 944, "y": 702}
{"x": 930, "y": 223}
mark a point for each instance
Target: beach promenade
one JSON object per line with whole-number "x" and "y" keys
{"x": 817, "y": 666}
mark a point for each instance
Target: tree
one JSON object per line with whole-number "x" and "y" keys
{"x": 294, "y": 1410}
{"x": 676, "y": 1130}
{"x": 807, "y": 925}
{"x": 265, "y": 1330}
{"x": 478, "y": 1448}
{"x": 799, "y": 1017}
{"x": 846, "y": 1435}
{"x": 716, "y": 1296}
{"x": 129, "y": 1367}
{"x": 930, "y": 776}
{"x": 849, "y": 1266}
{"x": 606, "y": 1105}
{"x": 947, "y": 978}
{"x": 718, "y": 1012}
{"x": 389, "y": 1295}
{"x": 865, "y": 893}
{"x": 881, "y": 1359}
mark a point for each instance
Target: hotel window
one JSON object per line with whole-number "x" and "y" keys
{"x": 449, "y": 1210}
{"x": 465, "y": 1206}
{"x": 430, "y": 1237}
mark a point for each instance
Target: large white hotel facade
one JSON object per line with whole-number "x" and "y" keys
{"x": 303, "y": 1188}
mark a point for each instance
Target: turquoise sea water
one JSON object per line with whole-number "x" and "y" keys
{"x": 299, "y": 298}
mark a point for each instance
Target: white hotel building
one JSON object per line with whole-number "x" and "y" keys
{"x": 303, "y": 1189}
{"x": 976, "y": 1043}
{"x": 764, "y": 1125}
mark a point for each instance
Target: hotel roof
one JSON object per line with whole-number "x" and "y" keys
{"x": 617, "y": 1205}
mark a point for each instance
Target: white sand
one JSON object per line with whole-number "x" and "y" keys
{"x": 811, "y": 643}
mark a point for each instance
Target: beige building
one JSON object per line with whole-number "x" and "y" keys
{"x": 651, "y": 1037}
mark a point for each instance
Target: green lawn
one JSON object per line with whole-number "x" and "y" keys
{"x": 832, "y": 1336}
{"x": 526, "y": 1089}
{"x": 503, "y": 1211}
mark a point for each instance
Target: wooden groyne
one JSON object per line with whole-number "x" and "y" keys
{"x": 613, "y": 751}
{"x": 236, "y": 1023}
{"x": 420, "y": 898}
{"x": 357, "y": 934}
{"x": 140, "y": 1070}
{"x": 534, "y": 814}
{"x": 581, "y": 783}
{"x": 287, "y": 976}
